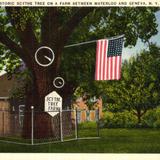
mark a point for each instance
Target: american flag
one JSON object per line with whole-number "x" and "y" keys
{"x": 108, "y": 59}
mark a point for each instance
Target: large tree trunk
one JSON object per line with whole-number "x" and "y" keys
{"x": 45, "y": 126}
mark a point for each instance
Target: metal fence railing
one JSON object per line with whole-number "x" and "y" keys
{"x": 39, "y": 127}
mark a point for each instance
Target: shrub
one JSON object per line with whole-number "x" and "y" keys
{"x": 88, "y": 125}
{"x": 152, "y": 118}
{"x": 124, "y": 119}
{"x": 156, "y": 124}
{"x": 107, "y": 118}
{"x": 149, "y": 118}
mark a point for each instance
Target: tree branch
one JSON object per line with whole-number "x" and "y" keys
{"x": 25, "y": 35}
{"x": 66, "y": 30}
{"x": 134, "y": 113}
{"x": 4, "y": 39}
{"x": 73, "y": 22}
{"x": 145, "y": 110}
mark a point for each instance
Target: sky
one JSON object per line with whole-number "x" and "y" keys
{"x": 129, "y": 52}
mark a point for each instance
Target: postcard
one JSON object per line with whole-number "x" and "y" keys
{"x": 80, "y": 79}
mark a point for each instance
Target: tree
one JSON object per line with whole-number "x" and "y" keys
{"x": 138, "y": 90}
{"x": 24, "y": 30}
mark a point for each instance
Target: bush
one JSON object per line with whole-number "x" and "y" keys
{"x": 88, "y": 125}
{"x": 149, "y": 118}
{"x": 156, "y": 124}
{"x": 152, "y": 118}
{"x": 107, "y": 118}
{"x": 124, "y": 119}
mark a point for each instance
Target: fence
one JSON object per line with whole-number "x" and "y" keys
{"x": 39, "y": 127}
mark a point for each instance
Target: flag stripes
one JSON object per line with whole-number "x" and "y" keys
{"x": 107, "y": 67}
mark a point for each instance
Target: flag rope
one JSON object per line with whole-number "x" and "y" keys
{"x": 87, "y": 42}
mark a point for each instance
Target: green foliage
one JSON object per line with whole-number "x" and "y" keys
{"x": 123, "y": 119}
{"x": 139, "y": 87}
{"x": 78, "y": 63}
{"x": 23, "y": 82}
{"x": 18, "y": 91}
{"x": 157, "y": 124}
{"x": 87, "y": 125}
{"x": 102, "y": 22}
{"x": 25, "y": 14}
{"x": 112, "y": 107}
{"x": 9, "y": 61}
{"x": 152, "y": 118}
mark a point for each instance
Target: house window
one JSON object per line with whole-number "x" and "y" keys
{"x": 79, "y": 116}
{"x": 87, "y": 115}
{"x": 21, "y": 114}
{"x": 96, "y": 115}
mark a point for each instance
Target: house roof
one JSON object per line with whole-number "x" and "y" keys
{"x": 6, "y": 85}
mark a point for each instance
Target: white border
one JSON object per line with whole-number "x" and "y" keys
{"x": 36, "y": 54}
{"x": 50, "y": 156}
{"x": 60, "y": 79}
{"x": 55, "y": 156}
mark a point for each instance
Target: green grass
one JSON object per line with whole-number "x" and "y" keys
{"x": 111, "y": 141}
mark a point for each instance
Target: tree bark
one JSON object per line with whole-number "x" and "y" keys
{"x": 45, "y": 126}
{"x": 139, "y": 117}
{"x": 139, "y": 113}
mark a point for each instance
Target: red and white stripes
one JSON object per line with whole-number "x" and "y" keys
{"x": 107, "y": 68}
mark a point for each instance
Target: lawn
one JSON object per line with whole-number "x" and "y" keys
{"x": 111, "y": 141}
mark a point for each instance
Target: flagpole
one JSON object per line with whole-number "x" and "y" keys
{"x": 93, "y": 41}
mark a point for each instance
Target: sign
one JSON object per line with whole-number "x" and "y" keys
{"x": 58, "y": 82}
{"x": 44, "y": 56}
{"x": 53, "y": 103}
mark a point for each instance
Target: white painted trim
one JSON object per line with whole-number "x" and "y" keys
{"x": 51, "y": 61}
{"x": 4, "y": 98}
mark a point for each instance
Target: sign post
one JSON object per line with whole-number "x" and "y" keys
{"x": 53, "y": 106}
{"x": 32, "y": 125}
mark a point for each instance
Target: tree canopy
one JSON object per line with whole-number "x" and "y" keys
{"x": 101, "y": 22}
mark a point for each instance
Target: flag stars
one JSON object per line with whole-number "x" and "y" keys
{"x": 115, "y": 47}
